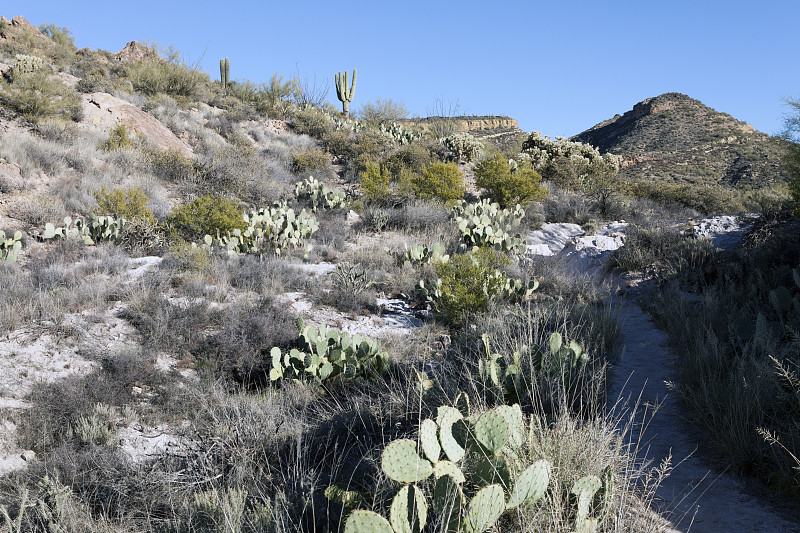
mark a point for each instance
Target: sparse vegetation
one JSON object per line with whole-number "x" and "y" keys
{"x": 151, "y": 357}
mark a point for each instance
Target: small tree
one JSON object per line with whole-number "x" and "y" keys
{"x": 508, "y": 184}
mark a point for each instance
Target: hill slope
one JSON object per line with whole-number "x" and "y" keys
{"x": 676, "y": 138}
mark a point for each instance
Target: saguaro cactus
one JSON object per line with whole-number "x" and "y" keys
{"x": 344, "y": 94}
{"x": 224, "y": 72}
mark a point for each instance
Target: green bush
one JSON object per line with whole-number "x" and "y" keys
{"x": 375, "y": 183}
{"x": 206, "y": 215}
{"x": 168, "y": 77}
{"x": 440, "y": 181}
{"x": 305, "y": 159}
{"x": 506, "y": 184}
{"x": 36, "y": 97}
{"x": 118, "y": 139}
{"x": 129, "y": 204}
{"x": 468, "y": 282}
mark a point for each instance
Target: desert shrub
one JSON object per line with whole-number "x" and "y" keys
{"x": 242, "y": 171}
{"x": 506, "y": 184}
{"x": 381, "y": 111}
{"x": 467, "y": 282}
{"x": 170, "y": 164}
{"x": 60, "y": 35}
{"x": 173, "y": 77}
{"x": 661, "y": 246}
{"x": 441, "y": 181}
{"x": 118, "y": 139}
{"x": 791, "y": 158}
{"x": 184, "y": 257}
{"x": 306, "y": 159}
{"x": 706, "y": 199}
{"x": 206, "y": 215}
{"x": 312, "y": 122}
{"x": 375, "y": 183}
{"x": 36, "y": 97}
{"x": 423, "y": 215}
{"x": 340, "y": 144}
{"x": 414, "y": 156}
{"x": 129, "y": 204}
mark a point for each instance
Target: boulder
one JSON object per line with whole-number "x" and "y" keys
{"x": 551, "y": 238}
{"x": 589, "y": 255}
{"x": 102, "y": 112}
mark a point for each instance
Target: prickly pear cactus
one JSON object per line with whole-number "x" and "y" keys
{"x": 319, "y": 195}
{"x": 401, "y": 462}
{"x": 10, "y": 247}
{"x": 409, "y": 512}
{"x": 484, "y": 224}
{"x": 491, "y": 444}
{"x": 484, "y": 509}
{"x": 361, "y": 521}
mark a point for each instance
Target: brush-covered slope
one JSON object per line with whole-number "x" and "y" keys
{"x": 677, "y": 138}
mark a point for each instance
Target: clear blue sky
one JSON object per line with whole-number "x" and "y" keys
{"x": 558, "y": 67}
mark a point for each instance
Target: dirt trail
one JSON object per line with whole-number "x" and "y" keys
{"x": 694, "y": 497}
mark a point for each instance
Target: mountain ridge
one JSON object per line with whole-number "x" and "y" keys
{"x": 677, "y": 138}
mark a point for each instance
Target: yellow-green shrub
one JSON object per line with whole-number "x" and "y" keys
{"x": 118, "y": 139}
{"x": 205, "y": 215}
{"x": 467, "y": 282}
{"x": 375, "y": 183}
{"x": 129, "y": 204}
{"x": 170, "y": 164}
{"x": 440, "y": 181}
{"x": 507, "y": 185}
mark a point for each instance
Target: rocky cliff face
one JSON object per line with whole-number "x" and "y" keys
{"x": 675, "y": 137}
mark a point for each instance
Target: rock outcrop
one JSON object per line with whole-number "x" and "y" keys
{"x": 135, "y": 51}
{"x": 102, "y": 111}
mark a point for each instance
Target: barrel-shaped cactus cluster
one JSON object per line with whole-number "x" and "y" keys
{"x": 463, "y": 145}
{"x": 469, "y": 500}
{"x": 324, "y": 354}
{"x": 274, "y": 228}
{"x": 319, "y": 194}
{"x": 10, "y": 246}
{"x": 483, "y": 223}
{"x": 91, "y": 231}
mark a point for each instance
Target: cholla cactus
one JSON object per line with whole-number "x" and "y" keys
{"x": 491, "y": 443}
{"x": 584, "y": 160}
{"x": 463, "y": 145}
{"x": 24, "y": 64}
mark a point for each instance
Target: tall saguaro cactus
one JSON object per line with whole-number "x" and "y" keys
{"x": 224, "y": 72}
{"x": 344, "y": 94}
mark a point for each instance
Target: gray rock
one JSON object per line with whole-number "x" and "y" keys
{"x": 551, "y": 238}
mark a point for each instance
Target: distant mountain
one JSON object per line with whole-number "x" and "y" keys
{"x": 676, "y": 138}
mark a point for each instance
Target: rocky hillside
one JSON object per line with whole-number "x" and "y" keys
{"x": 503, "y": 132}
{"x": 676, "y": 138}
